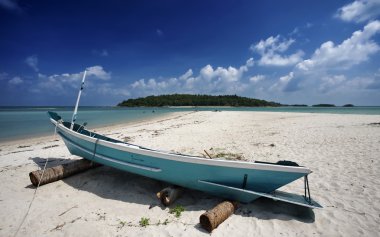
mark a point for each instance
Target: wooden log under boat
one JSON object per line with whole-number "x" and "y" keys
{"x": 61, "y": 171}
{"x": 169, "y": 195}
{"x": 211, "y": 219}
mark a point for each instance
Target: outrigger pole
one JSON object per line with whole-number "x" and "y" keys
{"x": 76, "y": 105}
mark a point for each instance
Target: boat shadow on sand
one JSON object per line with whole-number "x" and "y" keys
{"x": 110, "y": 183}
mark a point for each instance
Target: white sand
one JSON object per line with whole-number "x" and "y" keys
{"x": 343, "y": 152}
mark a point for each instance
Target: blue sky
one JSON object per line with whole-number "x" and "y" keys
{"x": 284, "y": 51}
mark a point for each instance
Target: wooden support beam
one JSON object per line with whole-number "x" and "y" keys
{"x": 61, "y": 171}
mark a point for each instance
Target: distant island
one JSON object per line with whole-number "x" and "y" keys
{"x": 332, "y": 105}
{"x": 297, "y": 105}
{"x": 324, "y": 105}
{"x": 348, "y": 105}
{"x": 196, "y": 100}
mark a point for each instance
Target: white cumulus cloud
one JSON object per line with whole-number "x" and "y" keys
{"x": 98, "y": 72}
{"x": 371, "y": 82}
{"x": 256, "y": 78}
{"x": 209, "y": 80}
{"x": 62, "y": 83}
{"x": 359, "y": 11}
{"x": 351, "y": 51}
{"x": 315, "y": 72}
{"x": 281, "y": 84}
{"x": 271, "y": 51}
{"x": 186, "y": 75}
{"x": 330, "y": 82}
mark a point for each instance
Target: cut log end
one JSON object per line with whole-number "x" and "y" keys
{"x": 168, "y": 195}
{"x": 211, "y": 219}
{"x": 33, "y": 178}
{"x": 204, "y": 220}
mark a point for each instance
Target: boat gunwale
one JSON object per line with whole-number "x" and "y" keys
{"x": 131, "y": 148}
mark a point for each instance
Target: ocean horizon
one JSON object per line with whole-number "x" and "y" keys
{"x": 21, "y": 122}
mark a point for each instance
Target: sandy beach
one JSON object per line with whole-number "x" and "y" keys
{"x": 342, "y": 151}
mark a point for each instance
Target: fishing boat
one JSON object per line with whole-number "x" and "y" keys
{"x": 235, "y": 180}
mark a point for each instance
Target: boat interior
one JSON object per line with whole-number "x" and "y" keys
{"x": 82, "y": 130}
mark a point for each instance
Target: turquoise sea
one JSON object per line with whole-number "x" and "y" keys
{"x": 27, "y": 122}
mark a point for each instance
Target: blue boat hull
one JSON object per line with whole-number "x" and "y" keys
{"x": 186, "y": 171}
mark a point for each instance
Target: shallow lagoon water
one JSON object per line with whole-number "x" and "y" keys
{"x": 26, "y": 122}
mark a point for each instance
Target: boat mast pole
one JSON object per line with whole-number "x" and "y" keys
{"x": 76, "y": 105}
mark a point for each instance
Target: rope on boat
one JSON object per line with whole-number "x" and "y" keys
{"x": 35, "y": 191}
{"x": 94, "y": 153}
